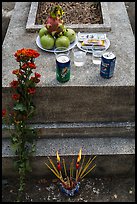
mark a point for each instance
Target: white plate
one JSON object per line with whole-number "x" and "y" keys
{"x": 72, "y": 45}
{"x": 107, "y": 44}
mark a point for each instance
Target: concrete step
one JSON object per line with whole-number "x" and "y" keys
{"x": 83, "y": 129}
{"x": 114, "y": 155}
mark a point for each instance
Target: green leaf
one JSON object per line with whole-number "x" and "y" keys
{"x": 14, "y": 139}
{"x": 15, "y": 147}
{"x": 20, "y": 107}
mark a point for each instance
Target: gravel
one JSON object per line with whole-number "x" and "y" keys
{"x": 95, "y": 189}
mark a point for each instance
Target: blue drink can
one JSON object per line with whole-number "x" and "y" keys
{"x": 62, "y": 68}
{"x": 107, "y": 65}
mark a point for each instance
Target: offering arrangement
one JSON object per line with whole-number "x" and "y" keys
{"x": 54, "y": 33}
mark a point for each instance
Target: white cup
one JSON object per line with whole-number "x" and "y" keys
{"x": 96, "y": 56}
{"x": 79, "y": 57}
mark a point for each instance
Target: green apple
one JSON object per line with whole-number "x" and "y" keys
{"x": 47, "y": 41}
{"x": 62, "y": 41}
{"x": 70, "y": 33}
{"x": 43, "y": 31}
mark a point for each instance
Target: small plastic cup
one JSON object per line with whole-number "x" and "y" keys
{"x": 96, "y": 55}
{"x": 79, "y": 57}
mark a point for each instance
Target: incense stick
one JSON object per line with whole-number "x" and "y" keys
{"x": 70, "y": 175}
{"x": 61, "y": 179}
{"x": 87, "y": 165}
{"x": 53, "y": 165}
{"x": 53, "y": 171}
{"x": 65, "y": 168}
{"x": 81, "y": 166}
{"x": 72, "y": 167}
{"x": 88, "y": 171}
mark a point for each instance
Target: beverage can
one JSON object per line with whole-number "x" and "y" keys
{"x": 107, "y": 66}
{"x": 62, "y": 68}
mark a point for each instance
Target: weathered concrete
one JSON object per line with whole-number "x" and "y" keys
{"x": 81, "y": 103}
{"x": 71, "y": 146}
{"x": 61, "y": 130}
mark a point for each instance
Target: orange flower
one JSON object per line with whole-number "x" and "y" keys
{"x": 25, "y": 54}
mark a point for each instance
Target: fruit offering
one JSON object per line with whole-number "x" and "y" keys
{"x": 54, "y": 33}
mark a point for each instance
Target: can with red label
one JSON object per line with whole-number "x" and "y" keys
{"x": 107, "y": 65}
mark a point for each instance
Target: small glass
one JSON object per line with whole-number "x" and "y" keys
{"x": 79, "y": 57}
{"x": 96, "y": 55}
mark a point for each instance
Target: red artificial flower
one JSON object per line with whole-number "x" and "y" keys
{"x": 24, "y": 66}
{"x": 14, "y": 84}
{"x": 16, "y": 96}
{"x": 31, "y": 90}
{"x": 21, "y": 72}
{"x": 28, "y": 65}
{"x": 37, "y": 75}
{"x": 34, "y": 79}
{"x": 31, "y": 65}
{"x": 4, "y": 112}
{"x": 16, "y": 71}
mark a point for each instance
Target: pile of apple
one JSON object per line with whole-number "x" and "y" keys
{"x": 54, "y": 33}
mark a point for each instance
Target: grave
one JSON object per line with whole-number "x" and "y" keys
{"x": 87, "y": 112}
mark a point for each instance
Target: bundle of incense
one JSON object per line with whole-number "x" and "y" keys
{"x": 81, "y": 170}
